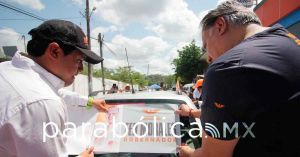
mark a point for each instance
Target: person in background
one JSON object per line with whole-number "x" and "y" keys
{"x": 127, "y": 88}
{"x": 198, "y": 90}
{"x": 190, "y": 94}
{"x": 162, "y": 86}
{"x": 29, "y": 88}
{"x": 243, "y": 113}
{"x": 196, "y": 96}
{"x": 113, "y": 89}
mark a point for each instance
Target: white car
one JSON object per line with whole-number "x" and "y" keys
{"x": 147, "y": 107}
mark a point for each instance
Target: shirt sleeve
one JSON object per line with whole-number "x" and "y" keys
{"x": 26, "y": 133}
{"x": 233, "y": 97}
{"x": 72, "y": 98}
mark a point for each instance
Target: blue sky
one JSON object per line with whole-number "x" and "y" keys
{"x": 151, "y": 30}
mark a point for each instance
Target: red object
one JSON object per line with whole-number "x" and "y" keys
{"x": 273, "y": 10}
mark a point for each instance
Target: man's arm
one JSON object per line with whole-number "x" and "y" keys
{"x": 72, "y": 98}
{"x": 211, "y": 147}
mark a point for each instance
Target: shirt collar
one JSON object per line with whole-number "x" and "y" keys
{"x": 26, "y": 63}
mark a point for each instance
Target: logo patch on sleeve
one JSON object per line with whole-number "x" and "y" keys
{"x": 218, "y": 105}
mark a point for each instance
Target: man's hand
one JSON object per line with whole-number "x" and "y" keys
{"x": 100, "y": 105}
{"x": 184, "y": 110}
{"x": 88, "y": 152}
{"x": 185, "y": 151}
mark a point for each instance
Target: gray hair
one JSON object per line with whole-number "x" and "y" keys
{"x": 233, "y": 12}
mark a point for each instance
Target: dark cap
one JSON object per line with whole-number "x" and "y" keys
{"x": 68, "y": 33}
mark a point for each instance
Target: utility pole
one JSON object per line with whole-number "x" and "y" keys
{"x": 132, "y": 90}
{"x": 90, "y": 68}
{"x": 148, "y": 70}
{"x": 23, "y": 37}
{"x": 100, "y": 40}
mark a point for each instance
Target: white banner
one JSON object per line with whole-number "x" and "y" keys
{"x": 135, "y": 128}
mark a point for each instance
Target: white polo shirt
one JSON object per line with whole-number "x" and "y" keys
{"x": 29, "y": 98}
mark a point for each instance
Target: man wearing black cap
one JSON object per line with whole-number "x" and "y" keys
{"x": 29, "y": 90}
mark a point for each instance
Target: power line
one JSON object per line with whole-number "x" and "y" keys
{"x": 19, "y": 35}
{"x": 77, "y": 17}
{"x": 108, "y": 48}
{"x": 21, "y": 11}
{"x": 8, "y": 19}
{"x": 94, "y": 38}
{"x": 17, "y": 19}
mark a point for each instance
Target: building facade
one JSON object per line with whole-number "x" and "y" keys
{"x": 284, "y": 12}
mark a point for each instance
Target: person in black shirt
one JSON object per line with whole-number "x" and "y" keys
{"x": 251, "y": 93}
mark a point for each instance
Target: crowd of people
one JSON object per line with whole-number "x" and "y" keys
{"x": 115, "y": 89}
{"x": 253, "y": 78}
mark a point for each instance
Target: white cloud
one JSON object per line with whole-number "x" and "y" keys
{"x": 121, "y": 12}
{"x": 111, "y": 63}
{"x": 33, "y": 4}
{"x": 176, "y": 23}
{"x": 102, "y": 30}
{"x": 169, "y": 19}
{"x": 157, "y": 65}
{"x": 160, "y": 66}
{"x": 174, "y": 51}
{"x": 78, "y": 2}
{"x": 201, "y": 16}
{"x": 139, "y": 50}
{"x": 9, "y": 37}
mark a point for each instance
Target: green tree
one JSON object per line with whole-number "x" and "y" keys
{"x": 155, "y": 79}
{"x": 121, "y": 74}
{"x": 108, "y": 73}
{"x": 168, "y": 80}
{"x": 189, "y": 62}
{"x": 138, "y": 78}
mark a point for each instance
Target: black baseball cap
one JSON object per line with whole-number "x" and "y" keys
{"x": 68, "y": 33}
